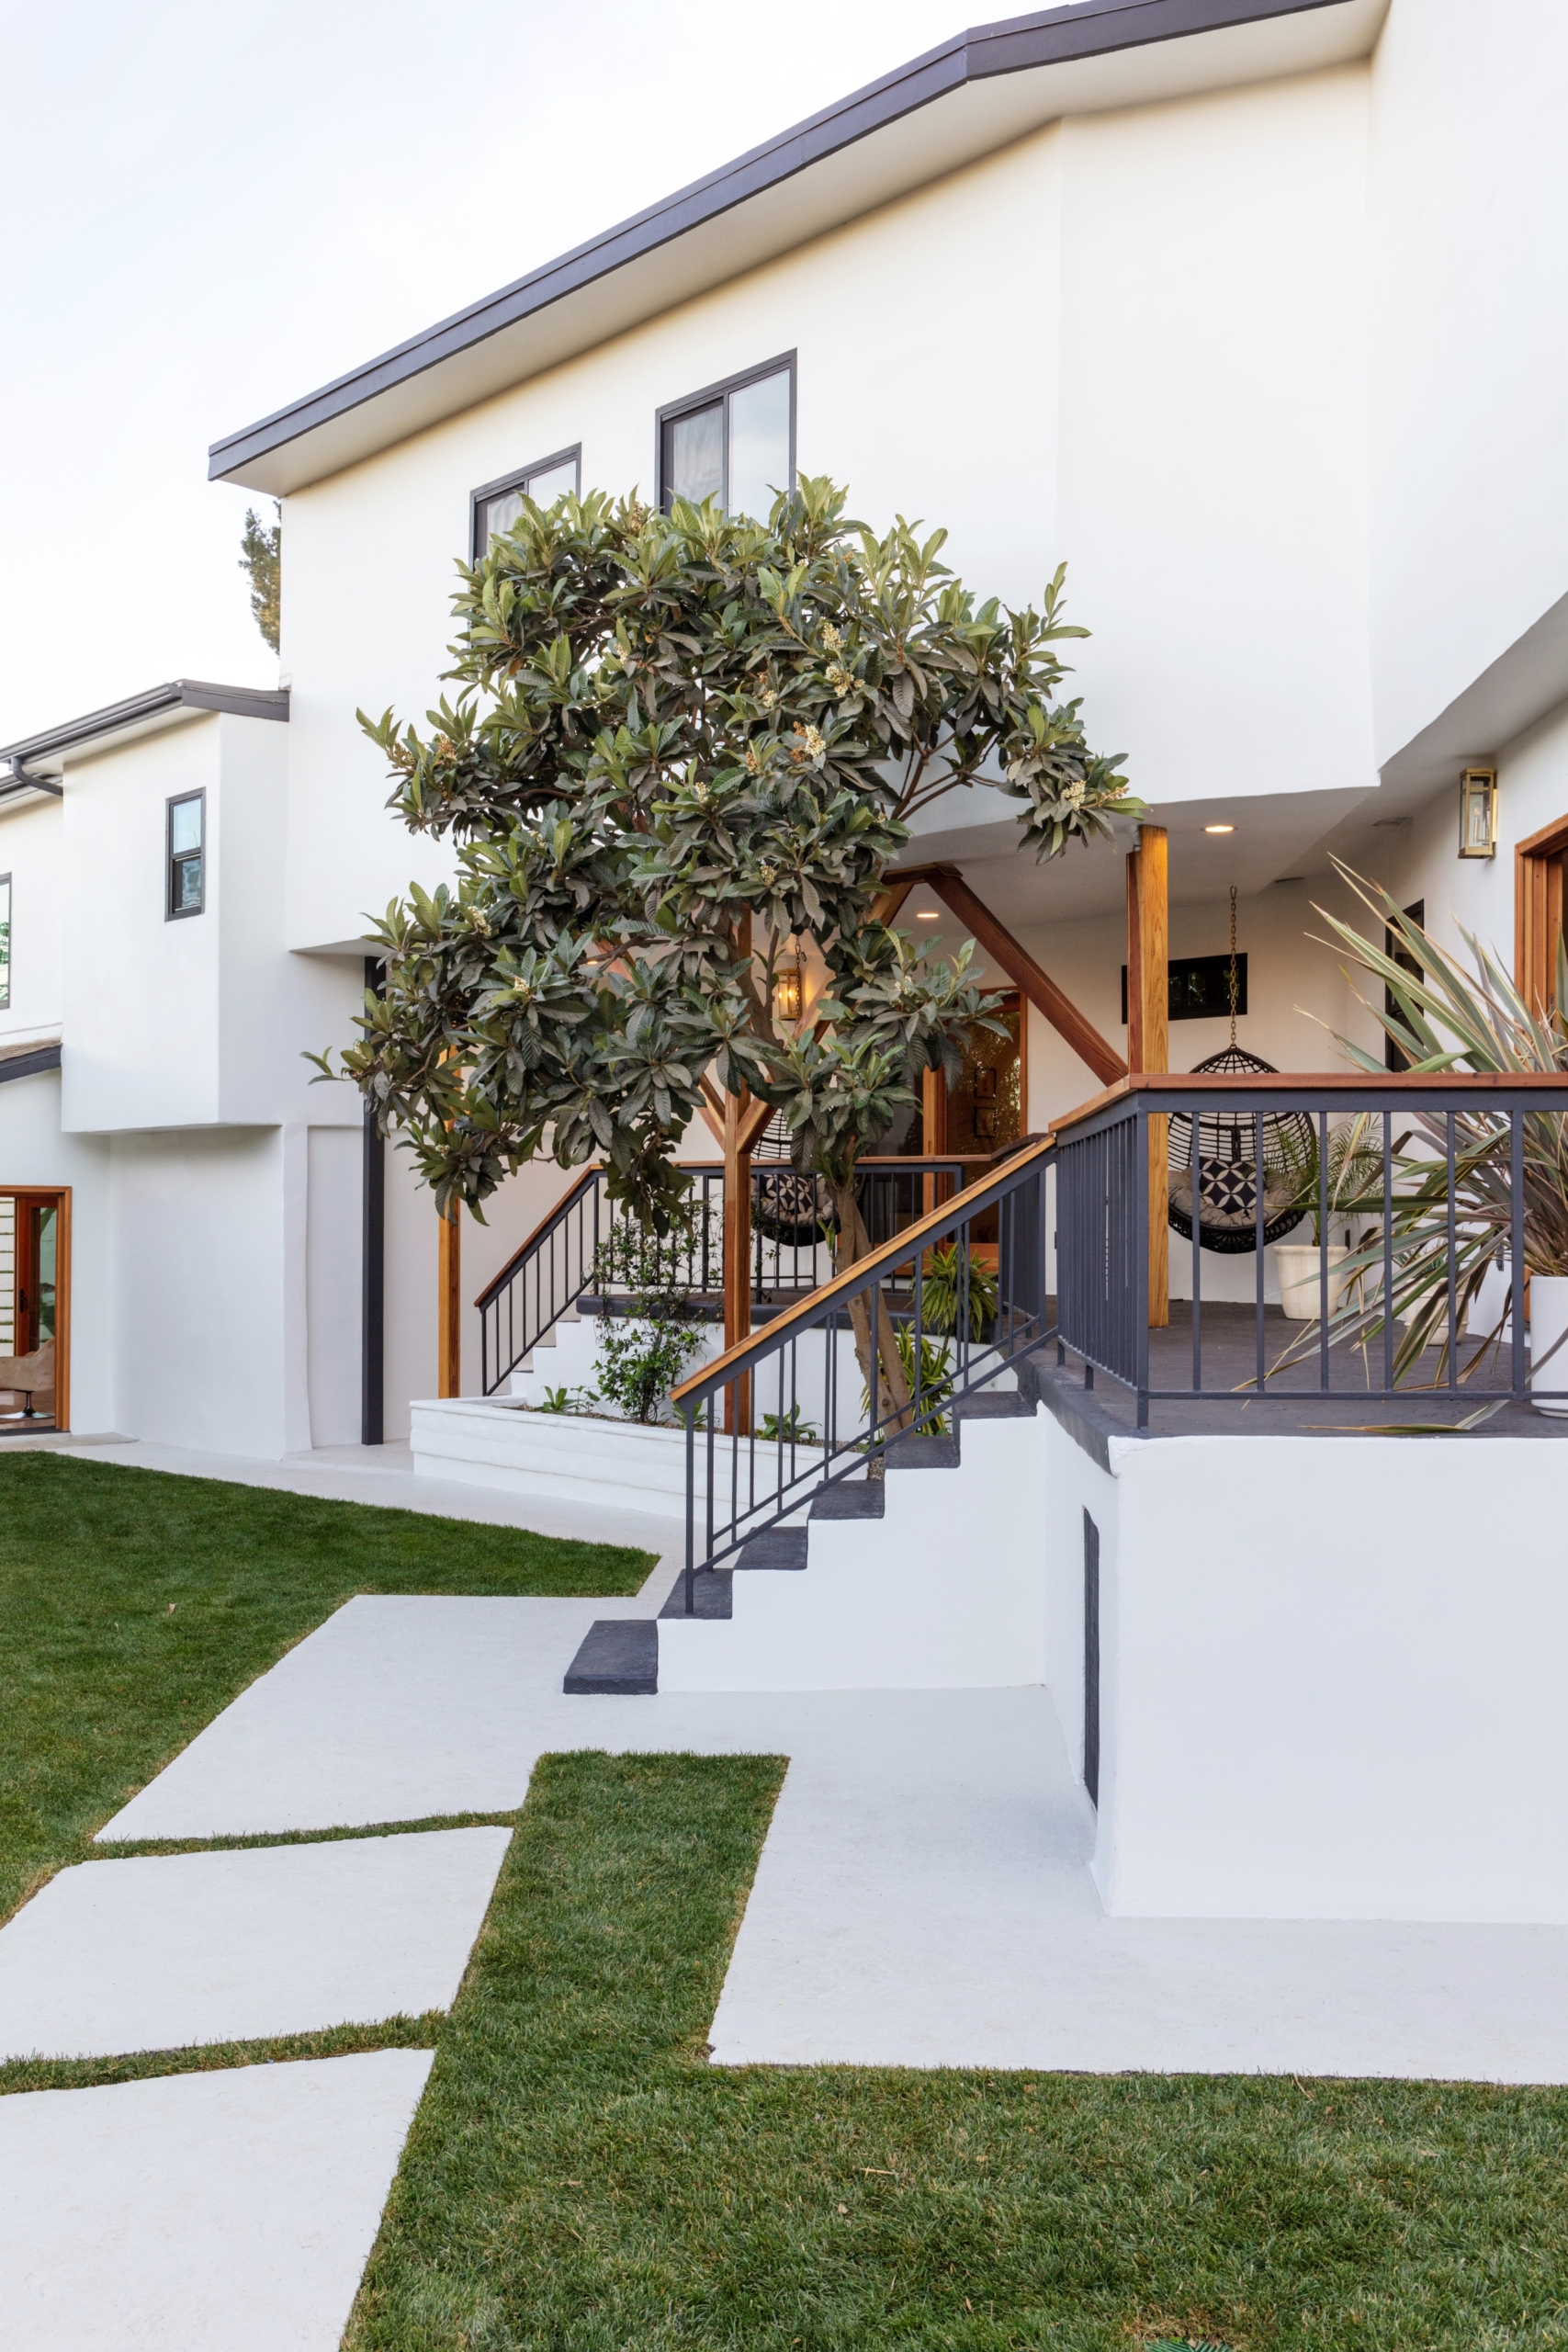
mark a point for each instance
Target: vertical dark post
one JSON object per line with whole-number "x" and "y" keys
{"x": 373, "y": 1264}
{"x": 1091, "y": 1658}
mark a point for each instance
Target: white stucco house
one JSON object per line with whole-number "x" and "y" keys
{"x": 1245, "y": 309}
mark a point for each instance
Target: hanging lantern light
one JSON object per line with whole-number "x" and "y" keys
{"x": 1478, "y": 813}
{"x": 788, "y": 991}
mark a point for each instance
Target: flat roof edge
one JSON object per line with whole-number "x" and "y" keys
{"x": 1055, "y": 37}
{"x": 176, "y": 693}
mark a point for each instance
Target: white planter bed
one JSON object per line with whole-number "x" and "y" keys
{"x": 494, "y": 1442}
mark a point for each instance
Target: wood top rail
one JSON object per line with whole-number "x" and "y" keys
{"x": 889, "y": 1253}
{"x": 1315, "y": 1081}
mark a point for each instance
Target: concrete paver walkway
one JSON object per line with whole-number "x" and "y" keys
{"x": 230, "y": 2211}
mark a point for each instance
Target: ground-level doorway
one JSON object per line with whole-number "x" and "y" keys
{"x": 35, "y": 1306}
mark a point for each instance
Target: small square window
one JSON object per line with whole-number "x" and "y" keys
{"x": 5, "y": 941}
{"x": 734, "y": 441}
{"x": 187, "y": 855}
{"x": 497, "y": 504}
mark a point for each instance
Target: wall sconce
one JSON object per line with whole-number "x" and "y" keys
{"x": 1478, "y": 813}
{"x": 786, "y": 989}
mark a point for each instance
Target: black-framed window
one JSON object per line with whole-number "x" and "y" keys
{"x": 496, "y": 505}
{"x": 185, "y": 854}
{"x": 1393, "y": 947}
{"x": 733, "y": 441}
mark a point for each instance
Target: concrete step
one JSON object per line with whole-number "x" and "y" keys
{"x": 993, "y": 1405}
{"x": 923, "y": 1453}
{"x": 777, "y": 1547}
{"x": 617, "y": 1657}
{"x": 712, "y": 1594}
{"x": 857, "y": 1499}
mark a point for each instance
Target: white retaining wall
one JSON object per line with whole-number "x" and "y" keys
{"x": 1331, "y": 1674}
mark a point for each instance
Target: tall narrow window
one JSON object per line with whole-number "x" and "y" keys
{"x": 187, "y": 855}
{"x": 497, "y": 504}
{"x": 5, "y": 941}
{"x": 733, "y": 441}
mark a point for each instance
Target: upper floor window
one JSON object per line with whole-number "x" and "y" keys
{"x": 734, "y": 441}
{"x": 497, "y": 504}
{"x": 186, "y": 854}
{"x": 5, "y": 941}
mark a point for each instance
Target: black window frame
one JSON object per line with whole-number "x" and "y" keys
{"x": 782, "y": 363}
{"x": 8, "y": 884}
{"x": 518, "y": 479}
{"x": 172, "y": 911}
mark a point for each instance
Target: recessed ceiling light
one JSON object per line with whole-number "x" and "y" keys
{"x": 1219, "y": 829}
{"x": 925, "y": 914}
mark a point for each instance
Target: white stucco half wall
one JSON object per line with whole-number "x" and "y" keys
{"x": 1331, "y": 1674}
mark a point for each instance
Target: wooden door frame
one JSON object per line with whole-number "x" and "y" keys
{"x": 58, "y": 1197}
{"x": 1538, "y": 912}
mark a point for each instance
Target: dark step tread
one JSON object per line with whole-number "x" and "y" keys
{"x": 712, "y": 1594}
{"x": 923, "y": 1453}
{"x": 617, "y": 1657}
{"x": 860, "y": 1500}
{"x": 993, "y": 1405}
{"x": 776, "y": 1547}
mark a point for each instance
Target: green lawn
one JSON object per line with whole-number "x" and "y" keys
{"x": 134, "y": 1606}
{"x": 578, "y": 2179}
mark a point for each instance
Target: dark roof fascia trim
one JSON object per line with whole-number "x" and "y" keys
{"x": 1059, "y": 36}
{"x": 188, "y": 694}
{"x": 28, "y": 1064}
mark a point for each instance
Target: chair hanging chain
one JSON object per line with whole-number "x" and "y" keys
{"x": 1232, "y": 966}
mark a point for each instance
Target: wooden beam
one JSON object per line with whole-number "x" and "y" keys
{"x": 1148, "y": 987}
{"x": 1095, "y": 1051}
{"x": 450, "y": 1305}
{"x": 896, "y": 889}
{"x": 712, "y": 1108}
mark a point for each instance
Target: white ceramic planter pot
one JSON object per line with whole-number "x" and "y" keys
{"x": 1549, "y": 1321}
{"x": 1298, "y": 1267}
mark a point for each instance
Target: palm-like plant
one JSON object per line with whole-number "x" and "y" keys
{"x": 1352, "y": 1167}
{"x": 1447, "y": 1018}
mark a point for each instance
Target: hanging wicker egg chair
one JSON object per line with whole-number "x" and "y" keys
{"x": 1227, "y": 1176}
{"x": 792, "y": 1210}
{"x": 1227, "y": 1155}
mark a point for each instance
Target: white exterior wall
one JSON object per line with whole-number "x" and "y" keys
{"x": 1469, "y": 212}
{"x": 1169, "y": 391}
{"x": 30, "y": 852}
{"x": 1330, "y": 1679}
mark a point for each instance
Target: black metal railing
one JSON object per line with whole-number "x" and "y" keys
{"x": 789, "y": 1411}
{"x": 792, "y": 1244}
{"x": 1444, "y": 1173}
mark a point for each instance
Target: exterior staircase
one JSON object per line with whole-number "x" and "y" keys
{"x": 928, "y": 1577}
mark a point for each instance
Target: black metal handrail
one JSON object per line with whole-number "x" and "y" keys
{"x": 1104, "y": 1170}
{"x": 791, "y": 1251}
{"x": 797, "y": 1415}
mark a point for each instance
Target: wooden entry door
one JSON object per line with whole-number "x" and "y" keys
{"x": 1538, "y": 914}
{"x": 35, "y": 1282}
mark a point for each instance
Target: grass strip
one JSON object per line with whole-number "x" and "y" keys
{"x": 209, "y": 2057}
{"x": 578, "y": 2178}
{"x": 137, "y": 1604}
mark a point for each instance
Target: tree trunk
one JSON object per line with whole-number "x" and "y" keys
{"x": 895, "y": 1411}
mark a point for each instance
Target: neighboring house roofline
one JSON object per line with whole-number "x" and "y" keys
{"x": 135, "y": 714}
{"x": 325, "y": 430}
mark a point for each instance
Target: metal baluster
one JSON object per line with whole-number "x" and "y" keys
{"x": 1453, "y": 1278}
{"x": 1516, "y": 1250}
{"x": 1323, "y": 1254}
{"x": 1388, "y": 1252}
{"x": 1258, "y": 1222}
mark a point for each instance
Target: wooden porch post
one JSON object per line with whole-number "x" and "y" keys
{"x": 934, "y": 1131}
{"x": 449, "y": 1303}
{"x": 1148, "y": 1035}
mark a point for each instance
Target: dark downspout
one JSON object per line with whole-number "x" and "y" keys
{"x": 373, "y": 1277}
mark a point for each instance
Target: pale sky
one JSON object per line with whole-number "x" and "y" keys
{"x": 208, "y": 210}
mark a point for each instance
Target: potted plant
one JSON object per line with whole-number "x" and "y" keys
{"x": 1447, "y": 1018}
{"x": 957, "y": 1280}
{"x": 1328, "y": 1190}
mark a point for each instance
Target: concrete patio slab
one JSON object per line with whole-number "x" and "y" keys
{"x": 923, "y": 1897}
{"x": 234, "y": 2208}
{"x": 165, "y": 1951}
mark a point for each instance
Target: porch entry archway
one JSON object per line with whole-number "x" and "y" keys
{"x": 35, "y": 1308}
